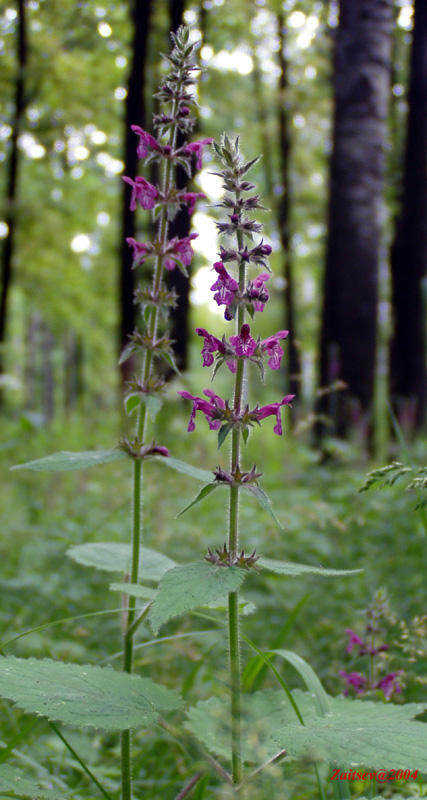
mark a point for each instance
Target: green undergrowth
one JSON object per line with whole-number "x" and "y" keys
{"x": 326, "y": 522}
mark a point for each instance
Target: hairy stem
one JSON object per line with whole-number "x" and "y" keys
{"x": 131, "y": 627}
{"x": 233, "y": 544}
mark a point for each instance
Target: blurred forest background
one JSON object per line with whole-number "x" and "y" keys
{"x": 334, "y": 95}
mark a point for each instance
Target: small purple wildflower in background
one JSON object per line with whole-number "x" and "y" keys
{"x": 371, "y": 645}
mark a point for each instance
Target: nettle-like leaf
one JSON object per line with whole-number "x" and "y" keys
{"x": 13, "y": 782}
{"x": 210, "y": 722}
{"x": 246, "y": 607}
{"x": 357, "y": 733}
{"x": 84, "y": 696}
{"x": 66, "y": 461}
{"x": 204, "y": 492}
{"x": 116, "y": 557}
{"x": 189, "y": 586}
{"x": 263, "y": 500}
{"x": 186, "y": 469}
{"x": 134, "y": 589}
{"x": 290, "y": 568}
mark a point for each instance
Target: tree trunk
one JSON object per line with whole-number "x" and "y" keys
{"x": 12, "y": 175}
{"x": 408, "y": 380}
{"x": 284, "y": 214}
{"x": 348, "y": 334}
{"x": 181, "y": 226}
{"x": 135, "y": 114}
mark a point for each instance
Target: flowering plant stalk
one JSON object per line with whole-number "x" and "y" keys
{"x": 240, "y": 295}
{"x": 144, "y": 394}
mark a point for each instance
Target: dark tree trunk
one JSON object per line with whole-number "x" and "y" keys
{"x": 348, "y": 334}
{"x": 135, "y": 114}
{"x": 408, "y": 380}
{"x": 284, "y": 213}
{"x": 48, "y": 375}
{"x": 12, "y": 175}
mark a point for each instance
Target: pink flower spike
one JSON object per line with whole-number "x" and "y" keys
{"x": 143, "y": 192}
{"x": 197, "y": 148}
{"x": 272, "y": 347}
{"x": 184, "y": 249}
{"x": 354, "y": 640}
{"x": 274, "y": 409}
{"x": 354, "y": 679}
{"x": 211, "y": 409}
{"x": 258, "y": 291}
{"x": 190, "y": 198}
{"x": 140, "y": 250}
{"x": 225, "y": 287}
{"x": 244, "y": 344}
{"x": 145, "y": 140}
{"x": 211, "y": 345}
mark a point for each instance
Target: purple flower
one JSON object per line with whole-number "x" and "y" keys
{"x": 197, "y": 148}
{"x": 354, "y": 640}
{"x": 145, "y": 140}
{"x": 258, "y": 292}
{"x": 140, "y": 250}
{"x": 211, "y": 345}
{"x": 355, "y": 679}
{"x": 389, "y": 684}
{"x": 190, "y": 198}
{"x": 210, "y": 408}
{"x": 180, "y": 248}
{"x": 225, "y": 287}
{"x": 274, "y": 409}
{"x": 143, "y": 192}
{"x": 272, "y": 347}
{"x": 243, "y": 343}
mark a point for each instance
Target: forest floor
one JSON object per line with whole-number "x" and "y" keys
{"x": 326, "y": 522}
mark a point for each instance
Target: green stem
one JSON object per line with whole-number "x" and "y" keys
{"x": 233, "y": 544}
{"x": 130, "y": 626}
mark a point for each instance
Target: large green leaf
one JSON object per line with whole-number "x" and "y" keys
{"x": 357, "y": 733}
{"x": 189, "y": 586}
{"x": 186, "y": 469}
{"x": 65, "y": 461}
{"x": 85, "y": 696}
{"x": 210, "y": 722}
{"x": 13, "y": 782}
{"x": 290, "y": 568}
{"x": 116, "y": 557}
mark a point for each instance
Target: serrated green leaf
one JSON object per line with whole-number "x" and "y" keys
{"x": 191, "y": 585}
{"x": 85, "y": 696}
{"x": 290, "y": 568}
{"x": 13, "y": 782}
{"x": 186, "y": 469}
{"x": 263, "y": 500}
{"x": 134, "y": 589}
{"x": 167, "y": 357}
{"x": 132, "y": 402}
{"x": 116, "y": 557}
{"x": 210, "y": 722}
{"x": 356, "y": 733}
{"x": 153, "y": 403}
{"x": 246, "y": 607}
{"x": 128, "y": 351}
{"x": 201, "y": 496}
{"x": 223, "y": 433}
{"x": 66, "y": 461}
